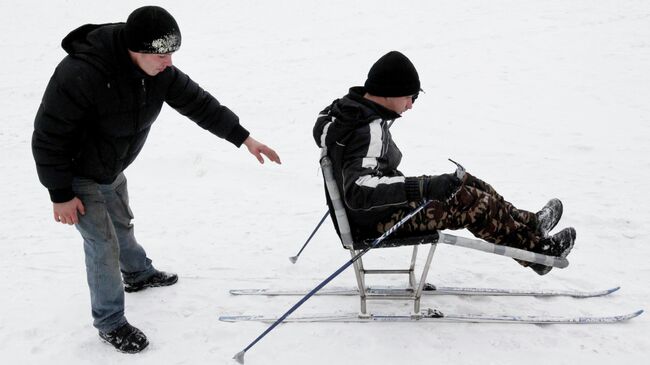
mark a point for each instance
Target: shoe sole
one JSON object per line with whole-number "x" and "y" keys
{"x": 131, "y": 289}
{"x": 543, "y": 269}
{"x": 546, "y": 232}
{"x": 540, "y": 269}
{"x": 566, "y": 252}
{"x": 124, "y": 351}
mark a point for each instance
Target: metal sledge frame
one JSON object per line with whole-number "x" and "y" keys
{"x": 412, "y": 292}
{"x": 415, "y": 287}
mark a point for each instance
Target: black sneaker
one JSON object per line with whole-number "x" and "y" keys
{"x": 126, "y": 339}
{"x": 160, "y": 278}
{"x": 548, "y": 217}
{"x": 559, "y": 246}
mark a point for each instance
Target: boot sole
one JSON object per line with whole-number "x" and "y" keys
{"x": 543, "y": 269}
{"x": 132, "y": 289}
{"x": 546, "y": 232}
{"x": 566, "y": 252}
{"x": 125, "y": 351}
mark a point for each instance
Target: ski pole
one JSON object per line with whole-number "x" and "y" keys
{"x": 293, "y": 259}
{"x": 240, "y": 355}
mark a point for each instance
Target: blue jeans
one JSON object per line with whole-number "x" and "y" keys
{"x": 110, "y": 247}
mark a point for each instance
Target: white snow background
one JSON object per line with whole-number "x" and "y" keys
{"x": 540, "y": 98}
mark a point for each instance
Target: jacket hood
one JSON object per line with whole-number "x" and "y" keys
{"x": 354, "y": 108}
{"x": 101, "y": 45}
{"x": 348, "y": 113}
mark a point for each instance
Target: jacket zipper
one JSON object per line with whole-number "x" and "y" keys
{"x": 141, "y": 101}
{"x": 144, "y": 93}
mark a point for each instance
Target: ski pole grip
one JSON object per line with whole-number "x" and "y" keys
{"x": 460, "y": 170}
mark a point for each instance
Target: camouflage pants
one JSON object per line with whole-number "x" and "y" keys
{"x": 477, "y": 207}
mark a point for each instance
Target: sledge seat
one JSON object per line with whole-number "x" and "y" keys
{"x": 413, "y": 291}
{"x": 361, "y": 244}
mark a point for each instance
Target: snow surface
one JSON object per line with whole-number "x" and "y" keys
{"x": 541, "y": 99}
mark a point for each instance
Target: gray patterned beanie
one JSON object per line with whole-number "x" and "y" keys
{"x": 151, "y": 29}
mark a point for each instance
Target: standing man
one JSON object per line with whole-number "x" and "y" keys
{"x": 92, "y": 122}
{"x": 365, "y": 158}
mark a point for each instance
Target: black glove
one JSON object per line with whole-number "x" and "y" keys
{"x": 441, "y": 187}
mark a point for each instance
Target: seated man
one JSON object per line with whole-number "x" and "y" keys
{"x": 354, "y": 131}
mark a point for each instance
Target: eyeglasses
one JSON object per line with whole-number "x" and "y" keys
{"x": 414, "y": 97}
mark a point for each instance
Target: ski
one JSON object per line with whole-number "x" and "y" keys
{"x": 430, "y": 289}
{"x": 432, "y": 315}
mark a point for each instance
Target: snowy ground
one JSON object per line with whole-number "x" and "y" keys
{"x": 542, "y": 99}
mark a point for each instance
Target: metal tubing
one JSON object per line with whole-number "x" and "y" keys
{"x": 388, "y": 271}
{"x": 358, "y": 273}
{"x": 411, "y": 273}
{"x": 423, "y": 278}
{"x": 515, "y": 253}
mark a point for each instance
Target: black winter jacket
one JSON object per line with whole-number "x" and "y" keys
{"x": 98, "y": 108}
{"x": 354, "y": 131}
{"x": 365, "y": 159}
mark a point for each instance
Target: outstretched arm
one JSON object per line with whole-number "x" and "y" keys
{"x": 258, "y": 149}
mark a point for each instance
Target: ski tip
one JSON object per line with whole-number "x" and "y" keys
{"x": 627, "y": 317}
{"x": 239, "y": 357}
{"x": 610, "y": 291}
{"x": 293, "y": 259}
{"x": 594, "y": 294}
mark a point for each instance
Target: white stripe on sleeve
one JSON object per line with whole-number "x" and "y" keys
{"x": 324, "y": 135}
{"x": 372, "y": 181}
{"x": 375, "y": 145}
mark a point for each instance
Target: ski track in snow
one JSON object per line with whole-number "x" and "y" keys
{"x": 541, "y": 99}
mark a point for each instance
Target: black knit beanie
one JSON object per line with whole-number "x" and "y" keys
{"x": 151, "y": 29}
{"x": 393, "y": 75}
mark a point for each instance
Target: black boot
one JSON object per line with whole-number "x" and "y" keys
{"x": 548, "y": 217}
{"x": 559, "y": 246}
{"x": 126, "y": 339}
{"x": 160, "y": 278}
